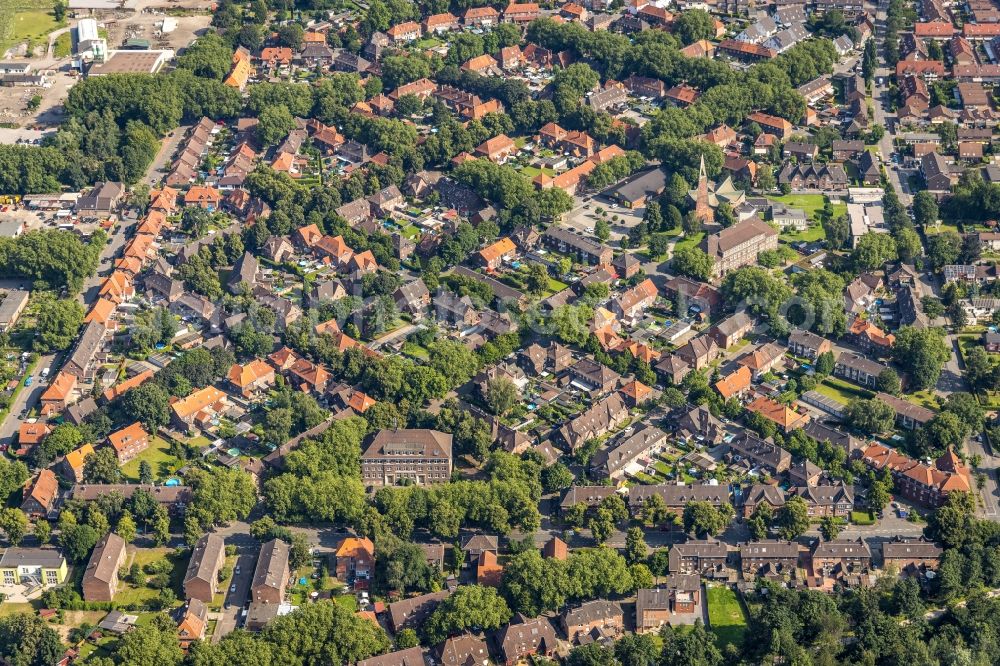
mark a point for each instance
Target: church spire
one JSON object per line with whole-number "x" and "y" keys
{"x": 702, "y": 208}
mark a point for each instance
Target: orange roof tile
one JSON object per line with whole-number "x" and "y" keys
{"x": 734, "y": 383}
{"x": 123, "y": 438}
{"x": 119, "y": 389}
{"x": 197, "y": 401}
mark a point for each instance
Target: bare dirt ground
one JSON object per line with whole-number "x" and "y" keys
{"x": 141, "y": 19}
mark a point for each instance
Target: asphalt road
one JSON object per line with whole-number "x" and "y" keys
{"x": 26, "y": 399}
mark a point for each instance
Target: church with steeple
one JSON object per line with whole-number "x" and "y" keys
{"x": 708, "y": 195}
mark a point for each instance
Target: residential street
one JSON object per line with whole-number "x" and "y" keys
{"x": 26, "y": 399}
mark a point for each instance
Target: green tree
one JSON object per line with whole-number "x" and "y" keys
{"x": 145, "y": 472}
{"x": 946, "y": 430}
{"x": 689, "y": 647}
{"x": 944, "y": 248}
{"x": 874, "y": 250}
{"x": 43, "y": 531}
{"x": 693, "y": 262}
{"x": 602, "y": 230}
{"x": 703, "y": 519}
{"x": 501, "y": 395}
{"x": 878, "y": 497}
{"x": 793, "y": 518}
{"x": 221, "y": 495}
{"x": 77, "y": 541}
{"x": 825, "y": 363}
{"x": 537, "y": 280}
{"x": 889, "y": 382}
{"x": 102, "y": 467}
{"x": 760, "y": 520}
{"x": 837, "y": 230}
{"x": 693, "y": 25}
{"x": 921, "y": 353}
{"x": 635, "y": 545}
{"x": 469, "y": 606}
{"x": 14, "y": 524}
{"x": 925, "y": 208}
{"x": 57, "y": 323}
{"x": 126, "y": 527}
{"x": 407, "y": 638}
{"x": 27, "y": 640}
{"x": 654, "y": 510}
{"x": 602, "y": 525}
{"x": 830, "y": 527}
{"x": 870, "y": 416}
{"x": 274, "y": 124}
{"x": 150, "y": 645}
{"x": 149, "y": 404}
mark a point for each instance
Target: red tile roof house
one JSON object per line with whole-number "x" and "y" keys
{"x": 934, "y": 30}
{"x": 404, "y": 32}
{"x": 480, "y": 17}
{"x": 497, "y": 149}
{"x": 40, "y": 494}
{"x": 480, "y": 64}
{"x": 521, "y": 13}
{"x": 438, "y": 23}
{"x": 129, "y": 442}
{"x": 208, "y": 198}
{"x": 422, "y": 88}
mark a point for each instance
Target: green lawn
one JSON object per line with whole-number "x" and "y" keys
{"x": 200, "y": 442}
{"x": 813, "y": 233}
{"x": 22, "y": 20}
{"x": 924, "y": 399}
{"x": 726, "y": 616}
{"x": 10, "y": 608}
{"x": 862, "y": 518}
{"x": 415, "y": 350}
{"x": 555, "y": 286}
{"x": 140, "y": 595}
{"x": 63, "y": 46}
{"x": 690, "y": 240}
{"x": 348, "y": 601}
{"x": 841, "y": 391}
{"x": 158, "y": 456}
{"x": 531, "y": 171}
{"x": 812, "y": 204}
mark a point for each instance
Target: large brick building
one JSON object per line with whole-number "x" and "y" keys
{"x": 739, "y": 245}
{"x": 419, "y": 455}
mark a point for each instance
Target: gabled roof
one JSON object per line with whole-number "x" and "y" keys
{"x": 197, "y": 401}
{"x": 124, "y": 438}
{"x": 734, "y": 383}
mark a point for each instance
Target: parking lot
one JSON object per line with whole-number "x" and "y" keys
{"x": 584, "y": 216}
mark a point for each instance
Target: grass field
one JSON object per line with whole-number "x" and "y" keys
{"x": 531, "y": 171}
{"x": 924, "y": 399}
{"x": 812, "y": 204}
{"x": 9, "y": 608}
{"x": 158, "y": 457}
{"x": 140, "y": 595}
{"x": 862, "y": 518}
{"x": 690, "y": 240}
{"x": 726, "y": 615}
{"x": 841, "y": 391}
{"x": 415, "y": 350}
{"x": 813, "y": 233}
{"x": 63, "y": 46}
{"x": 25, "y": 20}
